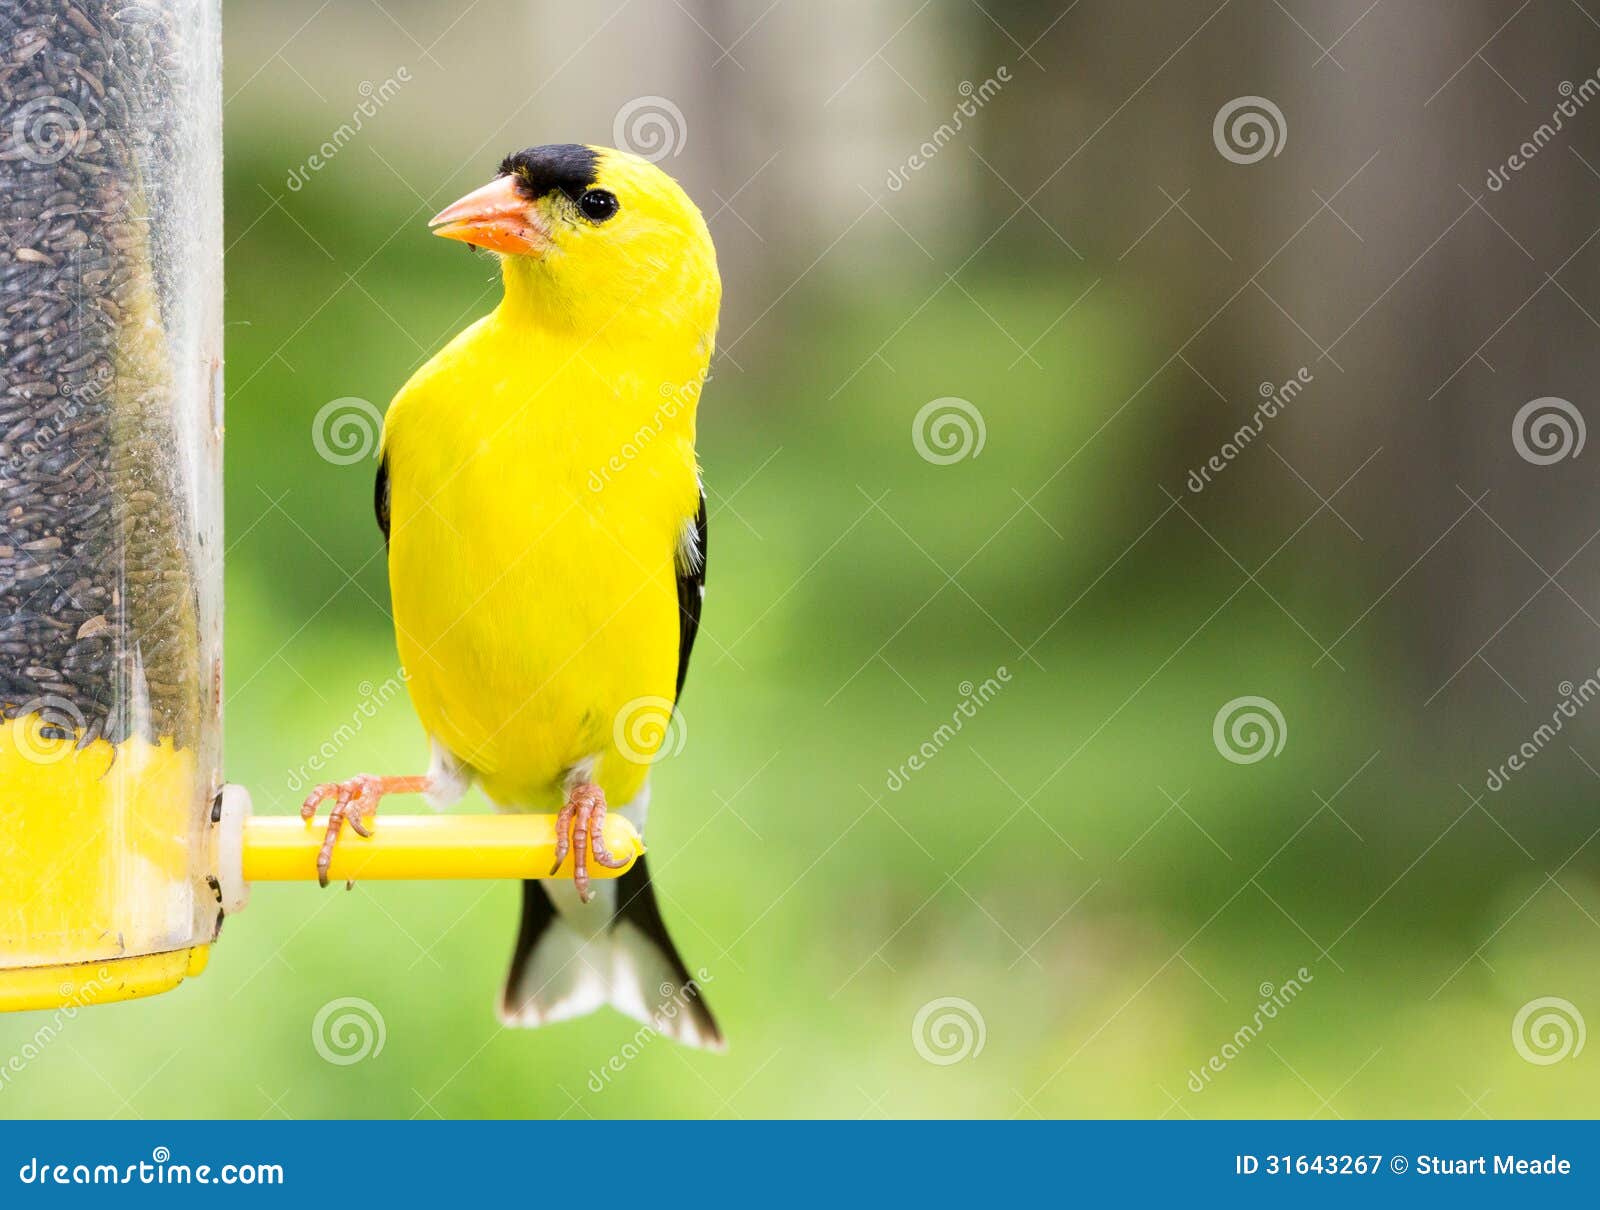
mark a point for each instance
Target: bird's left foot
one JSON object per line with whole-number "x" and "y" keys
{"x": 581, "y": 827}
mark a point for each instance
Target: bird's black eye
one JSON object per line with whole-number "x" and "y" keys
{"x": 598, "y": 204}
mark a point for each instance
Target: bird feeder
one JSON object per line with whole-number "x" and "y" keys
{"x": 120, "y": 848}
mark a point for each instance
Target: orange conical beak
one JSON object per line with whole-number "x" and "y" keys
{"x": 495, "y": 217}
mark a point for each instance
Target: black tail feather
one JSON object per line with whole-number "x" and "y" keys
{"x": 636, "y": 905}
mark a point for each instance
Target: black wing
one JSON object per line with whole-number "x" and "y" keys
{"x": 380, "y": 499}
{"x": 691, "y": 590}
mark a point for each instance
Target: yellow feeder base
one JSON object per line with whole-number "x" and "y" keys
{"x": 82, "y": 984}
{"x": 284, "y": 849}
{"x": 96, "y": 849}
{"x": 99, "y": 897}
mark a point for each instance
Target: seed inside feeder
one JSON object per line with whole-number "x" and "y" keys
{"x": 108, "y": 319}
{"x": 97, "y": 616}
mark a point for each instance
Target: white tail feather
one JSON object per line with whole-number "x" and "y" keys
{"x": 571, "y": 972}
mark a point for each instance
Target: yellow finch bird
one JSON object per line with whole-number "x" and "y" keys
{"x": 546, "y": 530}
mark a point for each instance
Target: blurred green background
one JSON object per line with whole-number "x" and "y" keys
{"x": 1079, "y": 864}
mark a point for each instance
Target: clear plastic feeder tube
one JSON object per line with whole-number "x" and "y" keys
{"x": 110, "y": 505}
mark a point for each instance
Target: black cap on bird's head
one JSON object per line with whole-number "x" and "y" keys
{"x": 569, "y": 167}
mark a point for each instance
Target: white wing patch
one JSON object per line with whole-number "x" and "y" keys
{"x": 688, "y": 551}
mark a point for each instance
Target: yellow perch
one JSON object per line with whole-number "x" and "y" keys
{"x": 284, "y": 848}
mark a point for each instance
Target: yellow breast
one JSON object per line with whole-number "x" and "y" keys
{"x": 538, "y": 490}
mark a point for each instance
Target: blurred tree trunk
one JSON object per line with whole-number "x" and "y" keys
{"x": 1439, "y": 118}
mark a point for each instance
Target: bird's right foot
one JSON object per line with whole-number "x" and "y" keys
{"x": 580, "y": 827}
{"x": 355, "y": 800}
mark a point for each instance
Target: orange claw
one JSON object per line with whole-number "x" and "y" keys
{"x": 583, "y": 815}
{"x": 356, "y": 801}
